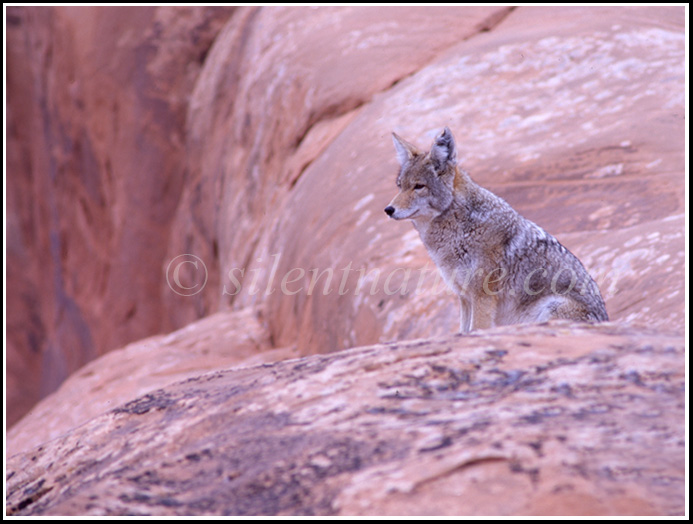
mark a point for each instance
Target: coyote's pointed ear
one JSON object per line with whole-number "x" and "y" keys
{"x": 444, "y": 149}
{"x": 405, "y": 151}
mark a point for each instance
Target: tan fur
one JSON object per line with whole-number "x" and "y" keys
{"x": 504, "y": 268}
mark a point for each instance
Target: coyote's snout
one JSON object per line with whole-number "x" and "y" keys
{"x": 505, "y": 268}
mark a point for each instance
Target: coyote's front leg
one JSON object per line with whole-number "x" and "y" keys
{"x": 466, "y": 314}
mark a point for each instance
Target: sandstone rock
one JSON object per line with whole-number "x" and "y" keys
{"x": 131, "y": 139}
{"x": 554, "y": 419}
{"x": 97, "y": 98}
{"x": 259, "y": 135}
{"x": 279, "y": 85}
{"x": 216, "y": 342}
{"x": 543, "y": 118}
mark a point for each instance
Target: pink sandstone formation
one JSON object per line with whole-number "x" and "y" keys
{"x": 555, "y": 419}
{"x": 258, "y": 139}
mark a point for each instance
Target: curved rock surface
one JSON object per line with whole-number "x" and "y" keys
{"x": 258, "y": 139}
{"x": 97, "y": 101}
{"x": 531, "y": 420}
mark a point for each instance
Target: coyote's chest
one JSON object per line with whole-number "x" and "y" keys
{"x": 458, "y": 264}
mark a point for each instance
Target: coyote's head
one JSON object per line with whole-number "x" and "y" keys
{"x": 425, "y": 180}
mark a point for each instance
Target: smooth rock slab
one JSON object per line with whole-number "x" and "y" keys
{"x": 556, "y": 419}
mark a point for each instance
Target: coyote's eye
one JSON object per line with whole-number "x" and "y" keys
{"x": 419, "y": 186}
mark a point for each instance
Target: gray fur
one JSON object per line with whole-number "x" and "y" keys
{"x": 505, "y": 268}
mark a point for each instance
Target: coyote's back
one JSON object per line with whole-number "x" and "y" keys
{"x": 504, "y": 268}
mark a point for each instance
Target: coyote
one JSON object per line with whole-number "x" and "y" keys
{"x": 505, "y": 268}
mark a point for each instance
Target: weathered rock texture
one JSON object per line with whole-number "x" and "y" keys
{"x": 533, "y": 420}
{"x": 218, "y": 341}
{"x": 258, "y": 139}
{"x": 97, "y": 101}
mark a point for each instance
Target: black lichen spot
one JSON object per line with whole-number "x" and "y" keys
{"x": 533, "y": 473}
{"x": 634, "y": 377}
{"x": 443, "y": 443}
{"x": 532, "y": 418}
{"x": 157, "y": 400}
{"x": 169, "y": 502}
{"x": 31, "y": 495}
{"x": 497, "y": 353}
{"x": 563, "y": 389}
{"x": 537, "y": 447}
{"x": 196, "y": 457}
